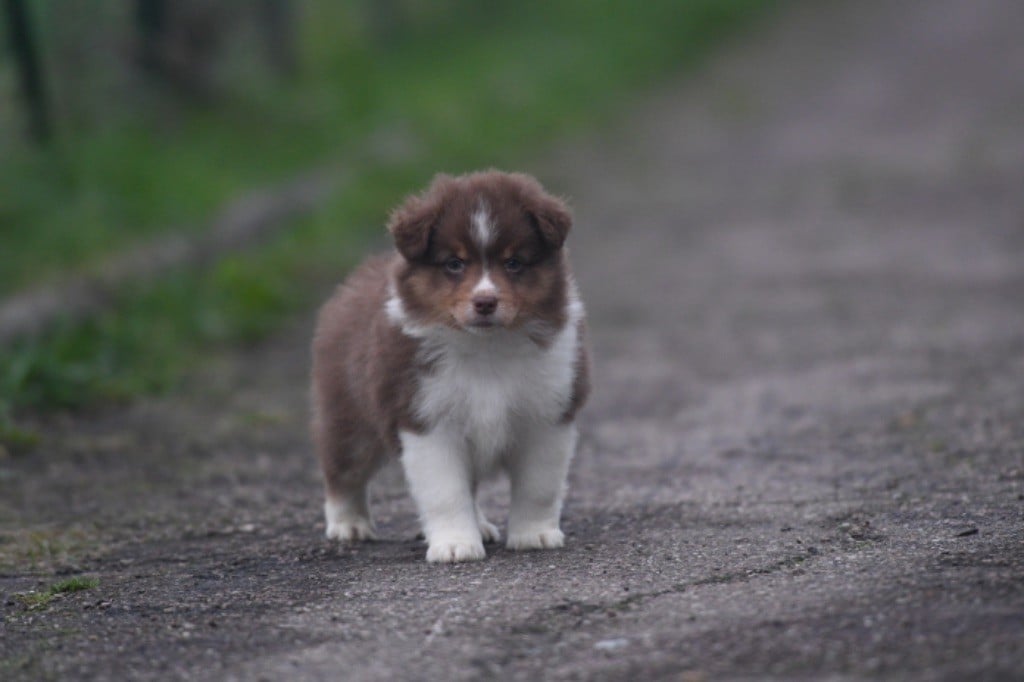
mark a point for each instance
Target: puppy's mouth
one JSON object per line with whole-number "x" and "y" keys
{"x": 483, "y": 323}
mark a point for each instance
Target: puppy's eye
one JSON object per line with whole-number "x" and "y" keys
{"x": 455, "y": 266}
{"x": 513, "y": 265}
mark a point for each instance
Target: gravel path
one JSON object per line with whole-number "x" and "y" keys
{"x": 804, "y": 267}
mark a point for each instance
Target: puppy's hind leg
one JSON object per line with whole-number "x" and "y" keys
{"x": 488, "y": 531}
{"x": 348, "y": 465}
{"x": 347, "y": 513}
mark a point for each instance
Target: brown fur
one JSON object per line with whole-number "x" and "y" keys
{"x": 581, "y": 382}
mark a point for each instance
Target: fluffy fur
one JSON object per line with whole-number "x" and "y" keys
{"x": 463, "y": 353}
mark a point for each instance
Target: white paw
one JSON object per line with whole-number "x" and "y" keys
{"x": 452, "y": 551}
{"x": 351, "y": 530}
{"x": 488, "y": 531}
{"x": 551, "y": 538}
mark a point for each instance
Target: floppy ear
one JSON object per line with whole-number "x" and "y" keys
{"x": 549, "y": 214}
{"x": 553, "y": 219}
{"x": 411, "y": 223}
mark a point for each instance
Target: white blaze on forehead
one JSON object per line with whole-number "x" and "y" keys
{"x": 483, "y": 227}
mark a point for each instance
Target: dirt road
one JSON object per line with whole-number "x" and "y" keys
{"x": 804, "y": 268}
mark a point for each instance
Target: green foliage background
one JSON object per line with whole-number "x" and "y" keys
{"x": 455, "y": 84}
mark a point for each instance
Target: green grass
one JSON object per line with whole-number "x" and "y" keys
{"x": 479, "y": 91}
{"x": 39, "y": 600}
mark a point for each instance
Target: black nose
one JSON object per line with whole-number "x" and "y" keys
{"x": 485, "y": 304}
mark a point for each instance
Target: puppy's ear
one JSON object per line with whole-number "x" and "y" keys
{"x": 411, "y": 223}
{"x": 553, "y": 219}
{"x": 549, "y": 214}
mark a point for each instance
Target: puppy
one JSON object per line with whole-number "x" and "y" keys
{"x": 463, "y": 354}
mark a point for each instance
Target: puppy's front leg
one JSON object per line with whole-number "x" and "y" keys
{"x": 538, "y": 476}
{"x": 438, "y": 471}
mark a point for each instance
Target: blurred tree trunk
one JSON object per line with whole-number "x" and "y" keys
{"x": 29, "y": 72}
{"x": 179, "y": 43}
{"x": 385, "y": 21}
{"x": 277, "y": 22}
{"x": 151, "y": 22}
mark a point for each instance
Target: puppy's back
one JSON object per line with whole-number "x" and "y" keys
{"x": 363, "y": 366}
{"x": 344, "y": 319}
{"x": 343, "y": 348}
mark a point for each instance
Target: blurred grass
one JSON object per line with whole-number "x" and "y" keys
{"x": 482, "y": 89}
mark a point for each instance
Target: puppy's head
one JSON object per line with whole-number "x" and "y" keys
{"x": 482, "y": 252}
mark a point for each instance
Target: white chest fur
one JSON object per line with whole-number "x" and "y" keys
{"x": 491, "y": 386}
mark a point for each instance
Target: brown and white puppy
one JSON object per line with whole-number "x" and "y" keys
{"x": 462, "y": 353}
